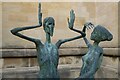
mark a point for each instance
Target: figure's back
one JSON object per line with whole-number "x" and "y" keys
{"x": 48, "y": 61}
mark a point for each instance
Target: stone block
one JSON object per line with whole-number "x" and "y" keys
{"x": 1, "y": 63}
{"x": 33, "y": 62}
{"x": 70, "y": 60}
{"x": 16, "y": 62}
{"x": 110, "y": 62}
{"x": 7, "y": 53}
{"x": 65, "y": 71}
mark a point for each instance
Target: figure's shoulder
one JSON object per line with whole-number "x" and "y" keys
{"x": 38, "y": 42}
{"x": 52, "y": 45}
{"x": 101, "y": 49}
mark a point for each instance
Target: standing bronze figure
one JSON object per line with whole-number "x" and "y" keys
{"x": 47, "y": 54}
{"x": 93, "y": 58}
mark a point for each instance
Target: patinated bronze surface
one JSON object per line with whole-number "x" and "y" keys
{"x": 93, "y": 58}
{"x": 47, "y": 53}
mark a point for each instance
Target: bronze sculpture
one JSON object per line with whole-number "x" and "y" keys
{"x": 47, "y": 54}
{"x": 93, "y": 58}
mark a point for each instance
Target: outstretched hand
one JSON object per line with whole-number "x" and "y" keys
{"x": 88, "y": 25}
{"x": 72, "y": 19}
{"x": 40, "y": 14}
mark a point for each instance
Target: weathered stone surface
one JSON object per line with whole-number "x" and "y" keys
{"x": 1, "y": 63}
{"x": 66, "y": 71}
{"x": 110, "y": 62}
{"x": 1, "y": 66}
{"x": 16, "y": 62}
{"x": 33, "y": 62}
{"x": 6, "y": 53}
{"x": 18, "y": 53}
{"x": 118, "y": 24}
{"x": 70, "y": 60}
{"x": 0, "y": 24}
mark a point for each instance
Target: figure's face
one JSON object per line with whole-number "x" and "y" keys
{"x": 95, "y": 36}
{"x": 49, "y": 27}
{"x": 92, "y": 36}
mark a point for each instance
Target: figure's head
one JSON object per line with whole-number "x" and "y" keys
{"x": 101, "y": 34}
{"x": 48, "y": 25}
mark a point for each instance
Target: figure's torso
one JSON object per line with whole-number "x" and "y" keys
{"x": 48, "y": 59}
{"x": 89, "y": 58}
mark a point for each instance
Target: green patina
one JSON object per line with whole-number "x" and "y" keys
{"x": 47, "y": 53}
{"x": 93, "y": 58}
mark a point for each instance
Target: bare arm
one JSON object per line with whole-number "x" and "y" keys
{"x": 85, "y": 39}
{"x": 60, "y": 42}
{"x": 71, "y": 24}
{"x": 16, "y": 31}
{"x": 87, "y": 42}
{"x": 87, "y": 25}
{"x": 83, "y": 36}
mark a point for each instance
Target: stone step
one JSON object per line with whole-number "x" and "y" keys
{"x": 65, "y": 71}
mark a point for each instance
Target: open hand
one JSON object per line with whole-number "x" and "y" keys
{"x": 40, "y": 14}
{"x": 88, "y": 25}
{"x": 72, "y": 19}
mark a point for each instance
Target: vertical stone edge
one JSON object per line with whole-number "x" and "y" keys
{"x": 119, "y": 38}
{"x": 1, "y": 60}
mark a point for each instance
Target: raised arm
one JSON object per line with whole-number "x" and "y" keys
{"x": 71, "y": 24}
{"x": 88, "y": 25}
{"x": 39, "y": 14}
{"x": 83, "y": 35}
{"x": 87, "y": 42}
{"x": 16, "y": 31}
{"x": 60, "y": 42}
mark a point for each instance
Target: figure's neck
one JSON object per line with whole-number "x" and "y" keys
{"x": 96, "y": 43}
{"x": 48, "y": 38}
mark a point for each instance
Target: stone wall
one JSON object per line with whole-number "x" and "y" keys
{"x": 19, "y": 55}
